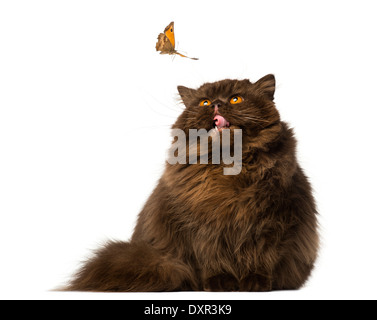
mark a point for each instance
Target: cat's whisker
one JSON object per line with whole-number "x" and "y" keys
{"x": 190, "y": 111}
{"x": 152, "y": 127}
{"x": 256, "y": 119}
{"x": 159, "y": 113}
{"x": 176, "y": 109}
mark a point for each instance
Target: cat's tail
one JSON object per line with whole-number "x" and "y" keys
{"x": 132, "y": 266}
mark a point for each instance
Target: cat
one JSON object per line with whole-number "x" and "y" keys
{"x": 202, "y": 230}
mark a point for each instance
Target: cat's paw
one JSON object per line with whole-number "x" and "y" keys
{"x": 221, "y": 282}
{"x": 256, "y": 282}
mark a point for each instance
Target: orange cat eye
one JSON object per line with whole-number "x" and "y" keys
{"x": 235, "y": 100}
{"x": 205, "y": 103}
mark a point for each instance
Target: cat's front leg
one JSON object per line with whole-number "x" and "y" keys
{"x": 221, "y": 282}
{"x": 256, "y": 282}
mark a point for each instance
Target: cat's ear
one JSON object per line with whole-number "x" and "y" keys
{"x": 266, "y": 86}
{"x": 186, "y": 94}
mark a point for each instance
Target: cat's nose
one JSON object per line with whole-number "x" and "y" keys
{"x": 216, "y": 105}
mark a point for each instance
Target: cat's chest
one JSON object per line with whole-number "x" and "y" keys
{"x": 208, "y": 195}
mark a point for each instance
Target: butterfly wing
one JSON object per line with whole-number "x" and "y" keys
{"x": 169, "y": 32}
{"x": 163, "y": 44}
{"x": 165, "y": 41}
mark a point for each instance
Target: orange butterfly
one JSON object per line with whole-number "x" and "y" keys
{"x": 166, "y": 42}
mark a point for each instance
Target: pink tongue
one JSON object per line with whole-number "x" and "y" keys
{"x": 220, "y": 121}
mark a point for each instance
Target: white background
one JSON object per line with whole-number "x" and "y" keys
{"x": 85, "y": 109}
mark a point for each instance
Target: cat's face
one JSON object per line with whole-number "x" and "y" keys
{"x": 229, "y": 104}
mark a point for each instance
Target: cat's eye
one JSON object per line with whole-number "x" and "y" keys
{"x": 235, "y": 100}
{"x": 204, "y": 103}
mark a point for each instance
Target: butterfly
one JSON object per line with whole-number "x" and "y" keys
{"x": 166, "y": 42}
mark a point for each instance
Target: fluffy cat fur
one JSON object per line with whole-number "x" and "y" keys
{"x": 203, "y": 230}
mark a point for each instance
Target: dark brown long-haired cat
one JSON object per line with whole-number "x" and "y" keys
{"x": 202, "y": 229}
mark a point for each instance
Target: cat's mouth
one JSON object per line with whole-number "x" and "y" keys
{"x": 219, "y": 122}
